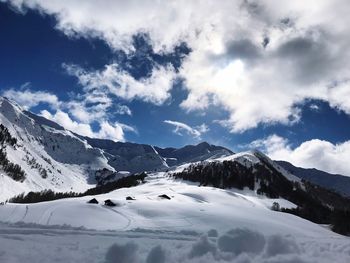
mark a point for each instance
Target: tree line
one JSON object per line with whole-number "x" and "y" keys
{"x": 12, "y": 170}
{"x": 49, "y": 195}
{"x": 5, "y": 136}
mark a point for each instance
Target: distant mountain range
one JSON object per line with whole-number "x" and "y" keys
{"x": 336, "y": 182}
{"x": 51, "y": 157}
{"x": 47, "y": 156}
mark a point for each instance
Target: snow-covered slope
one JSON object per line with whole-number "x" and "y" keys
{"x": 188, "y": 202}
{"x": 192, "y": 153}
{"x": 135, "y": 157}
{"x": 248, "y": 160}
{"x": 198, "y": 224}
{"x": 126, "y": 156}
{"x": 51, "y": 158}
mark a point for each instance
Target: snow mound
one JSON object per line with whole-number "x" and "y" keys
{"x": 122, "y": 253}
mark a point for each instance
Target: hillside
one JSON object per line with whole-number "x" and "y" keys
{"x": 335, "y": 182}
{"x": 49, "y": 158}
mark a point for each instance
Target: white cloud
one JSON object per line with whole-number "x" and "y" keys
{"x": 117, "y": 82}
{"x": 203, "y": 128}
{"x": 123, "y": 110}
{"x": 114, "y": 132}
{"x": 181, "y": 127}
{"x": 90, "y": 106}
{"x": 314, "y": 107}
{"x": 319, "y": 154}
{"x": 28, "y": 99}
{"x": 339, "y": 96}
{"x": 107, "y": 131}
{"x": 64, "y": 120}
{"x": 255, "y": 59}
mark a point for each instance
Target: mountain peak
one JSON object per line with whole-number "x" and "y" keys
{"x": 203, "y": 144}
{"x": 9, "y": 108}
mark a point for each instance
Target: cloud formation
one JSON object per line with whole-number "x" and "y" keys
{"x": 114, "y": 131}
{"x": 115, "y": 81}
{"x": 181, "y": 127}
{"x": 28, "y": 99}
{"x": 123, "y": 110}
{"x": 258, "y": 60}
{"x": 314, "y": 153}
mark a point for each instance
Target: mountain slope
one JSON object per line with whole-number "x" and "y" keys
{"x": 50, "y": 158}
{"x": 256, "y": 172}
{"x": 126, "y": 156}
{"x": 192, "y": 153}
{"x": 336, "y": 182}
{"x": 136, "y": 157}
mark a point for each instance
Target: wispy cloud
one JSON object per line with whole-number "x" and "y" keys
{"x": 117, "y": 82}
{"x": 123, "y": 110}
{"x": 114, "y": 131}
{"x": 28, "y": 99}
{"x": 181, "y": 128}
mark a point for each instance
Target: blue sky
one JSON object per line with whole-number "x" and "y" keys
{"x": 170, "y": 79}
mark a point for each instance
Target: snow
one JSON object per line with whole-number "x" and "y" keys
{"x": 198, "y": 224}
{"x": 244, "y": 158}
{"x": 70, "y": 162}
{"x": 279, "y": 168}
{"x": 248, "y": 159}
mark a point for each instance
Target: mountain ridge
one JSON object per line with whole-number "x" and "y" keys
{"x": 58, "y": 159}
{"x": 52, "y": 157}
{"x": 336, "y": 182}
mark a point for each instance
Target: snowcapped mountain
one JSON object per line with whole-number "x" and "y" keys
{"x": 133, "y": 157}
{"x": 49, "y": 157}
{"x": 255, "y": 171}
{"x": 130, "y": 157}
{"x": 192, "y": 153}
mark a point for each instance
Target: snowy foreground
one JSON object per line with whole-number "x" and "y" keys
{"x": 198, "y": 224}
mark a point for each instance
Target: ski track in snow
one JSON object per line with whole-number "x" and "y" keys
{"x": 49, "y": 218}
{"x": 123, "y": 215}
{"x": 25, "y": 213}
